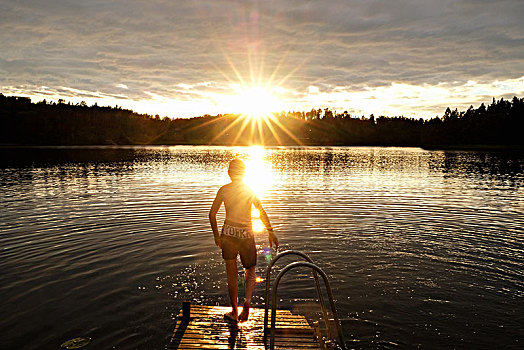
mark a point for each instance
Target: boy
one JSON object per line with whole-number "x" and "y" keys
{"x": 237, "y": 235}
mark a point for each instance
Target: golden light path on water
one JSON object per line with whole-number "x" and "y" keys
{"x": 259, "y": 177}
{"x": 258, "y": 172}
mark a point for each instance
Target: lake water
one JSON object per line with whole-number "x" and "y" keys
{"x": 423, "y": 248}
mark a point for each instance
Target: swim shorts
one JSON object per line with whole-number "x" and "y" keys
{"x": 238, "y": 240}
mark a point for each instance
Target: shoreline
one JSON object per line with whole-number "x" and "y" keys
{"x": 473, "y": 147}
{"x": 457, "y": 147}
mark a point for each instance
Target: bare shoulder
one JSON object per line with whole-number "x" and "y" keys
{"x": 225, "y": 188}
{"x": 221, "y": 191}
{"x": 237, "y": 190}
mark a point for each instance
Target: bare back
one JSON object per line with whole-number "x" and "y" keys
{"x": 238, "y": 199}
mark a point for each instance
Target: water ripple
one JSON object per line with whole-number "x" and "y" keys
{"x": 424, "y": 248}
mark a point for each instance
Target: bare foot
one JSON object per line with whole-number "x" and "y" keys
{"x": 231, "y": 316}
{"x": 244, "y": 315}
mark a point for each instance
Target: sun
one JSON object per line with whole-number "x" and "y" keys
{"x": 255, "y": 101}
{"x": 256, "y": 108}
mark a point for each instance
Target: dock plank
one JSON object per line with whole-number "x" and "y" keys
{"x": 207, "y": 329}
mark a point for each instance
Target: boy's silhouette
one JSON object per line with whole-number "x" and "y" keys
{"x": 237, "y": 235}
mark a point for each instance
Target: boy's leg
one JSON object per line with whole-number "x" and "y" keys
{"x": 232, "y": 287}
{"x": 250, "y": 287}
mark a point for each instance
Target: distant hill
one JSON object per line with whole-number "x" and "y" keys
{"x": 501, "y": 124}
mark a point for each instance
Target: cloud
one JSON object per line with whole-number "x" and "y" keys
{"x": 412, "y": 100}
{"x": 190, "y": 50}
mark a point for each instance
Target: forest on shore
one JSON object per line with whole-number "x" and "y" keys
{"x": 500, "y": 124}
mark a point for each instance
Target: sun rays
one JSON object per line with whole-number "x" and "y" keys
{"x": 246, "y": 129}
{"x": 254, "y": 110}
{"x": 255, "y": 101}
{"x": 254, "y": 119}
{"x": 248, "y": 92}
{"x": 255, "y": 95}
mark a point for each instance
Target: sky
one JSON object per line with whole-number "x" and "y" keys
{"x": 189, "y": 58}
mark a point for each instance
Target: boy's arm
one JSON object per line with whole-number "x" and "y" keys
{"x": 265, "y": 220}
{"x": 213, "y": 217}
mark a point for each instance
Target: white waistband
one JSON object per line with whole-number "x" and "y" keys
{"x": 238, "y": 232}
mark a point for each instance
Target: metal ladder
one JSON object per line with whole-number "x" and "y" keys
{"x": 308, "y": 264}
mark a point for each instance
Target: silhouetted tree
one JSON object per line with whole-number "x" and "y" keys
{"x": 24, "y": 122}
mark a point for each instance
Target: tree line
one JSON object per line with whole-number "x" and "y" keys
{"x": 50, "y": 123}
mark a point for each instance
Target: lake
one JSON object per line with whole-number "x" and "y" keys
{"x": 422, "y": 248}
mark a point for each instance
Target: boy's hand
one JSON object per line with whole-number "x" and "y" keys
{"x": 272, "y": 239}
{"x": 218, "y": 242}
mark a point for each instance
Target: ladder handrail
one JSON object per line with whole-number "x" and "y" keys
{"x": 329, "y": 292}
{"x": 317, "y": 283}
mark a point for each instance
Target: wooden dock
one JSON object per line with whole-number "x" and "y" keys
{"x": 206, "y": 328}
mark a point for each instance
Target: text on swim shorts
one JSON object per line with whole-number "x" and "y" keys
{"x": 238, "y": 232}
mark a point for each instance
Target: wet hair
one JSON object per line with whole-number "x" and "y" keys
{"x": 237, "y": 168}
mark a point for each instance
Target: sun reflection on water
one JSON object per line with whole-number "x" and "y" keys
{"x": 258, "y": 176}
{"x": 258, "y": 170}
{"x": 257, "y": 225}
